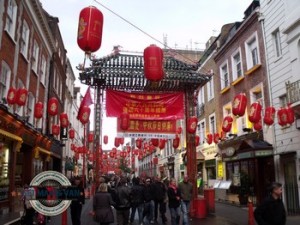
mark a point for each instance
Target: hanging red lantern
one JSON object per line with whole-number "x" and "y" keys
{"x": 176, "y": 142}
{"x": 216, "y": 138}
{"x": 38, "y": 110}
{"x": 255, "y": 112}
{"x": 209, "y": 138}
{"x": 53, "y": 106}
{"x": 55, "y": 129}
{"x": 104, "y": 156}
{"x": 135, "y": 151}
{"x": 290, "y": 115}
{"x": 121, "y": 141}
{"x": 117, "y": 142}
{"x": 105, "y": 139}
{"x": 140, "y": 157}
{"x": 123, "y": 154}
{"x": 111, "y": 154}
{"x": 73, "y": 147}
{"x": 84, "y": 115}
{"x": 269, "y": 115}
{"x": 192, "y": 124}
{"x": 22, "y": 94}
{"x": 124, "y": 121}
{"x": 162, "y": 143}
{"x": 257, "y": 126}
{"x": 138, "y": 143}
{"x": 72, "y": 134}
{"x": 155, "y": 142}
{"x": 155, "y": 160}
{"x": 11, "y": 96}
{"x": 227, "y": 123}
{"x": 197, "y": 140}
{"x": 64, "y": 120}
{"x": 179, "y": 130}
{"x": 89, "y": 36}
{"x": 128, "y": 149}
{"x": 91, "y": 137}
{"x": 239, "y": 104}
{"x": 282, "y": 116}
{"x": 153, "y": 63}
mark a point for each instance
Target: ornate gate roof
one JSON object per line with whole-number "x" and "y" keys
{"x": 126, "y": 72}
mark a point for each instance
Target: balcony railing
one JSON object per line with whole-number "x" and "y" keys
{"x": 293, "y": 91}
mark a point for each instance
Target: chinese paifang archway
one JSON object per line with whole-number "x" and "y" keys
{"x": 125, "y": 72}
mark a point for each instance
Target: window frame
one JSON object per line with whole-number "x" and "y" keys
{"x": 4, "y": 80}
{"x": 252, "y": 44}
{"x": 11, "y": 18}
{"x": 223, "y": 80}
{"x": 235, "y": 75}
{"x": 277, "y": 43}
{"x": 24, "y": 45}
{"x": 35, "y": 56}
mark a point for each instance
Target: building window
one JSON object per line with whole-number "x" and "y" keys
{"x": 212, "y": 124}
{"x": 30, "y": 108}
{"x": 210, "y": 89}
{"x": 11, "y": 19}
{"x": 201, "y": 96}
{"x": 277, "y": 43}
{"x": 24, "y": 39}
{"x": 4, "y": 80}
{"x": 236, "y": 66}
{"x": 252, "y": 52}
{"x": 201, "y": 128}
{"x": 256, "y": 95}
{"x": 43, "y": 70}
{"x": 224, "y": 76}
{"x": 35, "y": 56}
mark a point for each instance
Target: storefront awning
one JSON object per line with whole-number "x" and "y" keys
{"x": 11, "y": 136}
{"x": 199, "y": 155}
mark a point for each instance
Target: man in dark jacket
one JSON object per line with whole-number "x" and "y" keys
{"x": 149, "y": 202}
{"x": 160, "y": 192}
{"x": 186, "y": 190}
{"x": 138, "y": 200}
{"x": 271, "y": 211}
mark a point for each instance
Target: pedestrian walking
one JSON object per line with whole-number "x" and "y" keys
{"x": 77, "y": 203}
{"x": 29, "y": 211}
{"x": 138, "y": 199}
{"x": 160, "y": 192}
{"x": 271, "y": 211}
{"x": 174, "y": 202}
{"x": 186, "y": 190}
{"x": 102, "y": 206}
{"x": 149, "y": 202}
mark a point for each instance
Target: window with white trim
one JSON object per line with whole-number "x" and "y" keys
{"x": 201, "y": 96}
{"x": 11, "y": 18}
{"x": 35, "y": 56}
{"x": 24, "y": 39}
{"x": 30, "y": 108}
{"x": 252, "y": 51}
{"x": 4, "y": 80}
{"x": 236, "y": 65}
{"x": 201, "y": 131}
{"x": 277, "y": 43}
{"x": 210, "y": 89}
{"x": 43, "y": 70}
{"x": 224, "y": 75}
{"x": 212, "y": 124}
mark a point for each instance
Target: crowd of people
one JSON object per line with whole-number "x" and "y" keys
{"x": 149, "y": 197}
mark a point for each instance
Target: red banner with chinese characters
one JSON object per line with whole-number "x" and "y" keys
{"x": 153, "y": 126}
{"x": 143, "y": 106}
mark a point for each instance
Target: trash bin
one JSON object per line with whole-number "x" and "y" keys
{"x": 199, "y": 208}
{"x": 209, "y": 195}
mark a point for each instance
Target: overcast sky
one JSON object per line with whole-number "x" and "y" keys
{"x": 186, "y": 24}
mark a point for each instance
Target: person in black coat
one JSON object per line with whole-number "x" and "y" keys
{"x": 138, "y": 200}
{"x": 102, "y": 203}
{"x": 76, "y": 204}
{"x": 160, "y": 192}
{"x": 174, "y": 202}
{"x": 271, "y": 211}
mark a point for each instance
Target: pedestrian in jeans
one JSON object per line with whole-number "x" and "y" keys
{"x": 271, "y": 211}
{"x": 160, "y": 192}
{"x": 186, "y": 190}
{"x": 174, "y": 202}
{"x": 138, "y": 199}
{"x": 149, "y": 202}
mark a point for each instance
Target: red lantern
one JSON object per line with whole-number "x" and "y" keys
{"x": 89, "y": 36}
{"x": 179, "y": 130}
{"x": 153, "y": 63}
{"x": 257, "y": 126}
{"x": 138, "y": 143}
{"x": 128, "y": 149}
{"x": 11, "y": 96}
{"x": 117, "y": 142}
{"x": 290, "y": 115}
{"x": 105, "y": 139}
{"x": 140, "y": 157}
{"x": 197, "y": 140}
{"x": 239, "y": 104}
{"x": 269, "y": 115}
{"x": 84, "y": 115}
{"x": 72, "y": 134}
{"x": 91, "y": 137}
{"x": 255, "y": 112}
{"x": 55, "y": 129}
{"x": 216, "y": 138}
{"x": 124, "y": 123}
{"x": 135, "y": 151}
{"x": 155, "y": 142}
{"x": 111, "y": 154}
{"x": 282, "y": 117}
{"x": 53, "y": 106}
{"x": 155, "y": 160}
{"x": 162, "y": 143}
{"x": 64, "y": 120}
{"x": 104, "y": 156}
{"x": 121, "y": 141}
{"x": 176, "y": 142}
{"x": 209, "y": 138}
{"x": 21, "y": 96}
{"x": 38, "y": 110}
{"x": 192, "y": 124}
{"x": 226, "y": 125}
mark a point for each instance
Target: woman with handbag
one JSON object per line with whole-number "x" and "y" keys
{"x": 102, "y": 206}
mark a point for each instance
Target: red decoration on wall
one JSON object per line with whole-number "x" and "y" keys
{"x": 197, "y": 140}
{"x": 192, "y": 124}
{"x": 227, "y": 123}
{"x": 209, "y": 138}
{"x": 239, "y": 104}
{"x": 22, "y": 94}
{"x": 255, "y": 112}
{"x": 176, "y": 142}
{"x": 269, "y": 115}
{"x": 282, "y": 116}
{"x": 124, "y": 125}
{"x": 72, "y": 134}
{"x": 11, "y": 96}
{"x": 153, "y": 63}
{"x": 38, "y": 110}
{"x": 55, "y": 129}
{"x": 105, "y": 139}
{"x": 84, "y": 115}
{"x": 216, "y": 138}
{"x": 53, "y": 106}
{"x": 290, "y": 115}
{"x": 89, "y": 36}
{"x": 64, "y": 120}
